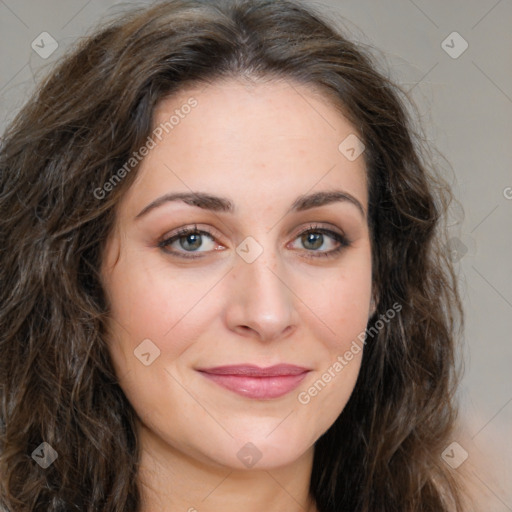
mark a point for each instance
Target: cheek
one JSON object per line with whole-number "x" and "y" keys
{"x": 340, "y": 299}
{"x": 341, "y": 304}
{"x": 152, "y": 301}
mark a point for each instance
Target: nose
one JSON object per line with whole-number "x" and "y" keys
{"x": 261, "y": 303}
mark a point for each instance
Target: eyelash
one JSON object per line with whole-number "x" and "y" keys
{"x": 311, "y": 229}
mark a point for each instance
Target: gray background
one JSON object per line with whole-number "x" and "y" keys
{"x": 465, "y": 107}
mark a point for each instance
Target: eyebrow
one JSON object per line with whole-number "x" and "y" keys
{"x": 223, "y": 204}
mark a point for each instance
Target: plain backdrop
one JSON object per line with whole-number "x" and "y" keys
{"x": 455, "y": 60}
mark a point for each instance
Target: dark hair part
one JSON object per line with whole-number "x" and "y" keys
{"x": 57, "y": 382}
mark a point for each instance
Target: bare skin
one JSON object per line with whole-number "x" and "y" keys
{"x": 262, "y": 146}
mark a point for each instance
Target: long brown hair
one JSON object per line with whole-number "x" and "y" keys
{"x": 57, "y": 383}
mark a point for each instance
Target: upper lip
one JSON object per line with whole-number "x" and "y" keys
{"x": 250, "y": 370}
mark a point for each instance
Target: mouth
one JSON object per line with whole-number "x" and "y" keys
{"x": 257, "y": 383}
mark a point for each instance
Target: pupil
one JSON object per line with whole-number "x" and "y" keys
{"x": 193, "y": 237}
{"x": 314, "y": 237}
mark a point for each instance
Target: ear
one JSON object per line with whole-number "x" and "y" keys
{"x": 373, "y": 308}
{"x": 373, "y": 304}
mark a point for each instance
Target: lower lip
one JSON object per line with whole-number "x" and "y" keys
{"x": 263, "y": 388}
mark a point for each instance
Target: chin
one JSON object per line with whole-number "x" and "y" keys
{"x": 260, "y": 450}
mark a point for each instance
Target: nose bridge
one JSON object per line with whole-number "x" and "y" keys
{"x": 261, "y": 299}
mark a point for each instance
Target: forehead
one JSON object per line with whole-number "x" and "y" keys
{"x": 255, "y": 139}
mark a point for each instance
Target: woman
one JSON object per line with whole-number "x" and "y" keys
{"x": 224, "y": 284}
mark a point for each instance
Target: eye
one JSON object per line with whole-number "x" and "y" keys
{"x": 189, "y": 240}
{"x": 315, "y": 237}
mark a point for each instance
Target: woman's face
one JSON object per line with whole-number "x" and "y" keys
{"x": 263, "y": 281}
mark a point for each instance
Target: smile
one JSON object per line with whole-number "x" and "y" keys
{"x": 257, "y": 383}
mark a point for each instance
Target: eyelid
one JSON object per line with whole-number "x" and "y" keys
{"x": 173, "y": 236}
{"x": 332, "y": 231}
{"x": 184, "y": 230}
{"x": 317, "y": 226}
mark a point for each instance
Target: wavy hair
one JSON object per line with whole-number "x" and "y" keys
{"x": 57, "y": 382}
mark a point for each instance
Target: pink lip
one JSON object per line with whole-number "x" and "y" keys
{"x": 253, "y": 382}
